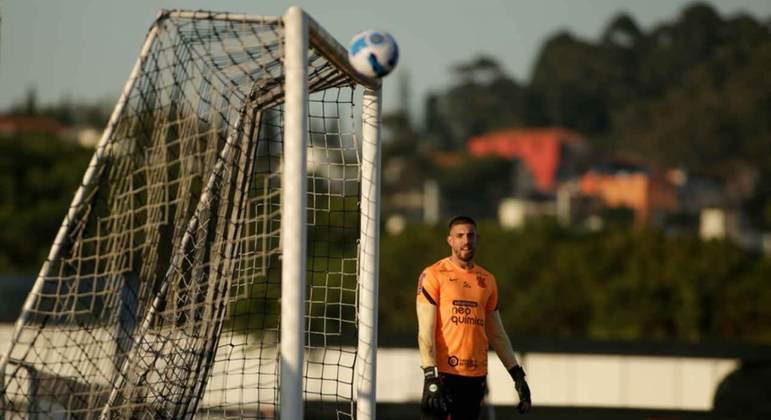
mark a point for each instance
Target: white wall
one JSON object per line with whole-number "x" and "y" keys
{"x": 578, "y": 380}
{"x": 561, "y": 379}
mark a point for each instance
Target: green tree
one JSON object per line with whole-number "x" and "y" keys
{"x": 472, "y": 181}
{"x": 38, "y": 177}
{"x": 484, "y": 98}
{"x": 617, "y": 284}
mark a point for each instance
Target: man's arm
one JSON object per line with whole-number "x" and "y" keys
{"x": 499, "y": 340}
{"x": 435, "y": 401}
{"x": 426, "y": 325}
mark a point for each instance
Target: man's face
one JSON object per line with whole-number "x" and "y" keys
{"x": 463, "y": 241}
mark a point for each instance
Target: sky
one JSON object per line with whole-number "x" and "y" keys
{"x": 84, "y": 49}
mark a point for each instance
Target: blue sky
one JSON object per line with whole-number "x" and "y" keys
{"x": 84, "y": 49}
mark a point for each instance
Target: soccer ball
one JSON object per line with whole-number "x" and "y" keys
{"x": 373, "y": 53}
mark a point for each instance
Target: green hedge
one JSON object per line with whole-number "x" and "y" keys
{"x": 628, "y": 284}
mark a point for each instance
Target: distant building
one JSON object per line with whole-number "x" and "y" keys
{"x": 89, "y": 137}
{"x": 548, "y": 154}
{"x": 647, "y": 193}
{"x": 12, "y": 125}
{"x": 413, "y": 205}
{"x": 85, "y": 136}
{"x": 717, "y": 223}
{"x": 730, "y": 224}
{"x": 514, "y": 212}
{"x": 445, "y": 159}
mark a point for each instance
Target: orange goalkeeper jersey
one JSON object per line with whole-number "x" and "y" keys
{"x": 463, "y": 299}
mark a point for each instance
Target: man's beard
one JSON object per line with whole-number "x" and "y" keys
{"x": 465, "y": 255}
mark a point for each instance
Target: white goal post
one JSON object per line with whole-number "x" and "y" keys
{"x": 220, "y": 258}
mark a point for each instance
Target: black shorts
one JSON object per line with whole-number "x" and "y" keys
{"x": 466, "y": 392}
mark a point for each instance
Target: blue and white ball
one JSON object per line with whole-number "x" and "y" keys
{"x": 373, "y": 53}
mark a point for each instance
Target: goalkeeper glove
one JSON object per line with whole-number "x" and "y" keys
{"x": 435, "y": 399}
{"x": 518, "y": 374}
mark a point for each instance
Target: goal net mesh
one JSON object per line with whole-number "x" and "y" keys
{"x": 163, "y": 298}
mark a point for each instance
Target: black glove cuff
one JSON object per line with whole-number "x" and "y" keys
{"x": 517, "y": 373}
{"x": 431, "y": 372}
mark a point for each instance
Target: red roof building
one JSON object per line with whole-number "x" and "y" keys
{"x": 10, "y": 125}
{"x": 541, "y": 150}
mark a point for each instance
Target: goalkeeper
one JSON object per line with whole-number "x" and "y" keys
{"x": 458, "y": 319}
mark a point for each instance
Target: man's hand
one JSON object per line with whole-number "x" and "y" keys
{"x": 518, "y": 374}
{"x": 435, "y": 400}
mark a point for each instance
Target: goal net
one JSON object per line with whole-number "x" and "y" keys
{"x": 170, "y": 286}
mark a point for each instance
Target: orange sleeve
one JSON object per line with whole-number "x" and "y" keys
{"x": 428, "y": 288}
{"x": 492, "y": 301}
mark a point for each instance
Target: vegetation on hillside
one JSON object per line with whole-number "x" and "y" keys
{"x": 620, "y": 284}
{"x": 693, "y": 93}
{"x": 39, "y": 174}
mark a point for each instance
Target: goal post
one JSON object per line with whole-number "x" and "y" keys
{"x": 293, "y": 231}
{"x": 369, "y": 259}
{"x": 220, "y": 258}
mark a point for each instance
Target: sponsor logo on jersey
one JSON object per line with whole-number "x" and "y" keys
{"x": 463, "y": 314}
{"x": 469, "y": 364}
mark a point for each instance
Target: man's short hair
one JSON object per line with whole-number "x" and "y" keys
{"x": 461, "y": 220}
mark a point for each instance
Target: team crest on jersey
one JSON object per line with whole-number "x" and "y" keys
{"x": 481, "y": 282}
{"x": 420, "y": 282}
